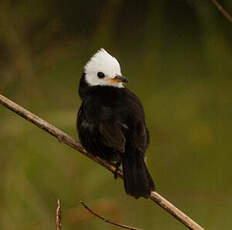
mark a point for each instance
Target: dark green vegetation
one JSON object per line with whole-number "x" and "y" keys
{"x": 177, "y": 56}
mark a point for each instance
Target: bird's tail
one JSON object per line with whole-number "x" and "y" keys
{"x": 137, "y": 179}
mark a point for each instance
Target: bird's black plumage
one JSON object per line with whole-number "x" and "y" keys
{"x": 111, "y": 125}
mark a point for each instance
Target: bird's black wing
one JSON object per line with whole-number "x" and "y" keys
{"x": 141, "y": 136}
{"x": 112, "y": 135}
{"x": 140, "y": 132}
{"x": 108, "y": 126}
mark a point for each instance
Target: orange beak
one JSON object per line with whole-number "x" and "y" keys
{"x": 119, "y": 79}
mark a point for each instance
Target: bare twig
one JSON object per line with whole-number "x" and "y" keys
{"x": 61, "y": 136}
{"x": 107, "y": 220}
{"x": 58, "y": 216}
{"x": 224, "y": 12}
{"x": 177, "y": 213}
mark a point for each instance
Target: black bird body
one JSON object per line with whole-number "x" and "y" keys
{"x": 112, "y": 119}
{"x": 111, "y": 125}
{"x": 111, "y": 122}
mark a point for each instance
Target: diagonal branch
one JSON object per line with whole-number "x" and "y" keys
{"x": 107, "y": 220}
{"x": 224, "y": 12}
{"x": 58, "y": 216}
{"x": 65, "y": 138}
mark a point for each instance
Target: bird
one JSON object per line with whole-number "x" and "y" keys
{"x": 111, "y": 122}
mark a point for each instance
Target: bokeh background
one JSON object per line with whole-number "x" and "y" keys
{"x": 177, "y": 56}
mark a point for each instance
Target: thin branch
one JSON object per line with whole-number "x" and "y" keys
{"x": 224, "y": 12}
{"x": 174, "y": 211}
{"x": 63, "y": 137}
{"x": 107, "y": 220}
{"x": 58, "y": 216}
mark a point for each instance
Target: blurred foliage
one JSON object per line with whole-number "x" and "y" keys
{"x": 177, "y": 56}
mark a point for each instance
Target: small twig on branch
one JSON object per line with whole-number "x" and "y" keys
{"x": 58, "y": 216}
{"x": 65, "y": 138}
{"x": 224, "y": 12}
{"x": 107, "y": 220}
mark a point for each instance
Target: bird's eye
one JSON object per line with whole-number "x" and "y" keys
{"x": 100, "y": 75}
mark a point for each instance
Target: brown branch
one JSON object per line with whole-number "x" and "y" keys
{"x": 224, "y": 12}
{"x": 63, "y": 137}
{"x": 58, "y": 216}
{"x": 107, "y": 220}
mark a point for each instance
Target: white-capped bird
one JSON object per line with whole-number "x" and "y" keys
{"x": 111, "y": 122}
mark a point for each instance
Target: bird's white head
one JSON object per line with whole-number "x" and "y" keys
{"x": 103, "y": 69}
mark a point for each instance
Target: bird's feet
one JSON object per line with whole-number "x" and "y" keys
{"x": 117, "y": 166}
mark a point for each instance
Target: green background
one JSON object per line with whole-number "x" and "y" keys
{"x": 177, "y": 56}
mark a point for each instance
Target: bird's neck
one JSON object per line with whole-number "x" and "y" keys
{"x": 83, "y": 87}
{"x": 86, "y": 90}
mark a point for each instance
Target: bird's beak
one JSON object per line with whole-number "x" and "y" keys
{"x": 119, "y": 78}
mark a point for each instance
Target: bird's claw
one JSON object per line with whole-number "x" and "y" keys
{"x": 117, "y": 165}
